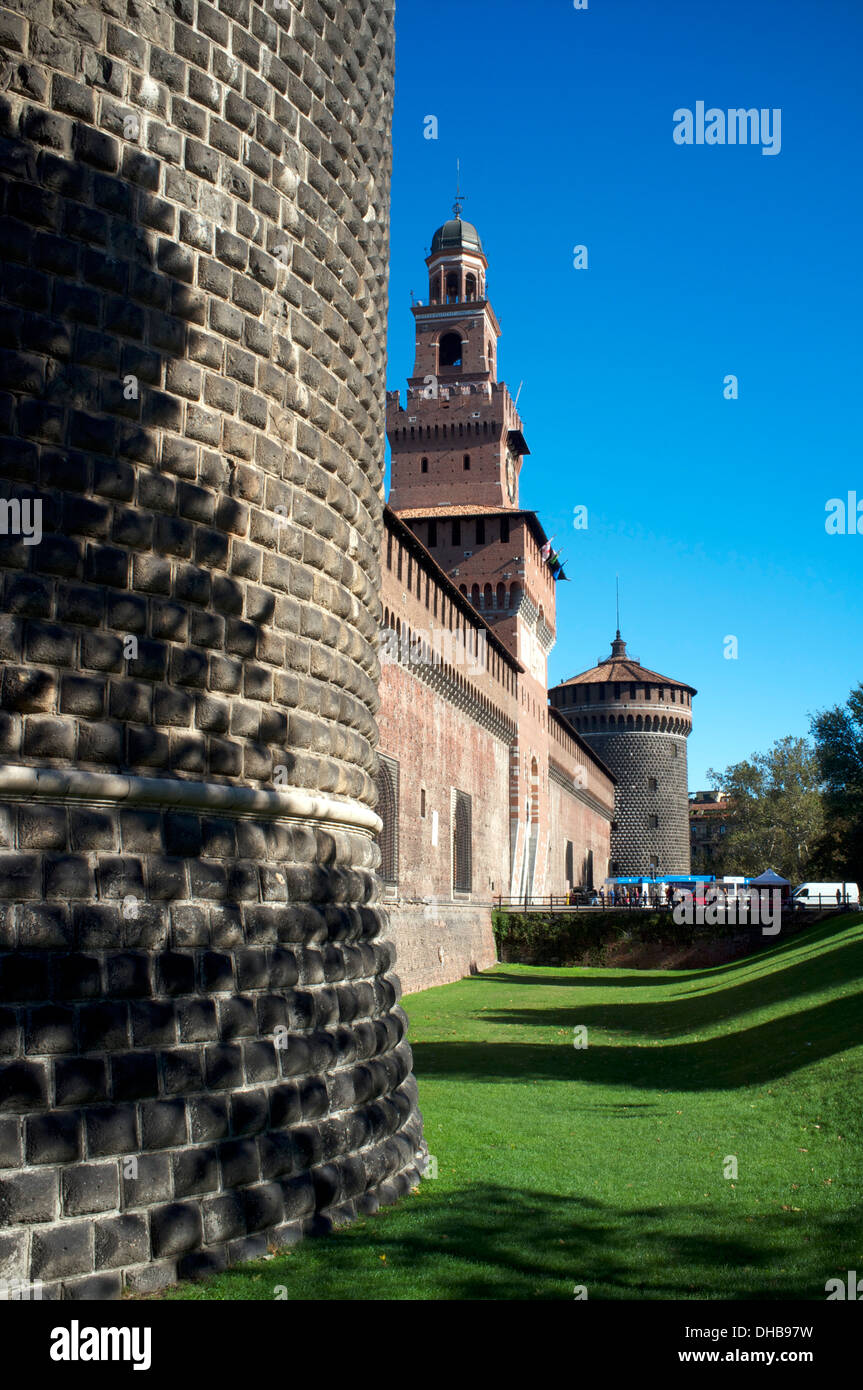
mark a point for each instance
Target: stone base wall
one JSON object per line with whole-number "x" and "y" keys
{"x": 436, "y": 944}
{"x": 202, "y": 1055}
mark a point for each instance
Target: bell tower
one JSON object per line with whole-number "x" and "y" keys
{"x": 459, "y": 442}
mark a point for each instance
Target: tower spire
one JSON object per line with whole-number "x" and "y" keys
{"x": 459, "y": 196}
{"x": 618, "y": 646}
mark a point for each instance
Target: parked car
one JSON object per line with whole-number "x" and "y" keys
{"x": 826, "y": 895}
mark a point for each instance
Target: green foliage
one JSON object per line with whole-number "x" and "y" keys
{"x": 566, "y": 938}
{"x": 775, "y": 811}
{"x": 838, "y": 735}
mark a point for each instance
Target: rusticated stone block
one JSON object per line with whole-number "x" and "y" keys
{"x": 189, "y": 623}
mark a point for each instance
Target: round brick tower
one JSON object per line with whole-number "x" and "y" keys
{"x": 638, "y": 722}
{"x": 201, "y": 1050}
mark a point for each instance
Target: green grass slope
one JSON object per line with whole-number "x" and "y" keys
{"x": 603, "y": 1166}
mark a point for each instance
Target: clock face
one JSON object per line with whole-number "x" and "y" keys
{"x": 511, "y": 477}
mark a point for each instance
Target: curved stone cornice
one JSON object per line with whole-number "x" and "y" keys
{"x": 109, "y": 788}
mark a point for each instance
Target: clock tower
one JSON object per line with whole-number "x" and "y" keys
{"x": 459, "y": 442}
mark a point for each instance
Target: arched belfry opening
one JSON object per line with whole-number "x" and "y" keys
{"x": 450, "y": 350}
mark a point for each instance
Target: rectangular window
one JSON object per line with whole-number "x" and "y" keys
{"x": 432, "y": 540}
{"x": 423, "y": 802}
{"x": 480, "y": 533}
{"x": 653, "y": 821}
{"x": 387, "y": 808}
{"x": 456, "y": 533}
{"x": 504, "y": 528}
{"x": 462, "y": 835}
{"x": 568, "y": 863}
{"x": 652, "y": 784}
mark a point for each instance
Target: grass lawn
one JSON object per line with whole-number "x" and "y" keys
{"x": 603, "y": 1166}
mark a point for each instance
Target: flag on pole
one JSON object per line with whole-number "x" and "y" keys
{"x": 546, "y": 549}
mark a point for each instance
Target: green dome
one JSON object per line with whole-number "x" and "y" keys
{"x": 456, "y": 233}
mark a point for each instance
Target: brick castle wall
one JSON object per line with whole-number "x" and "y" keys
{"x": 201, "y": 1049}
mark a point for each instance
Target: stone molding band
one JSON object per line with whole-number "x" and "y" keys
{"x": 108, "y": 788}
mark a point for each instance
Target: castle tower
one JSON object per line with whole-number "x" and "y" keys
{"x": 459, "y": 442}
{"x": 202, "y": 1051}
{"x": 638, "y": 722}
{"x": 457, "y": 452}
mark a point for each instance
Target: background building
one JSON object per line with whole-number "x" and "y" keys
{"x": 708, "y": 822}
{"x": 638, "y": 722}
{"x": 469, "y": 737}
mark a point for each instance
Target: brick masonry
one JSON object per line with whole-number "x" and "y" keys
{"x": 201, "y": 1048}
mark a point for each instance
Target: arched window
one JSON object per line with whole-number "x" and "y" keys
{"x": 474, "y": 595}
{"x": 449, "y": 350}
{"x": 424, "y": 465}
{"x": 466, "y": 462}
{"x": 387, "y": 783}
{"x": 452, "y": 288}
{"x": 470, "y": 287}
{"x": 500, "y": 595}
{"x": 514, "y": 595}
{"x": 461, "y": 843}
{"x": 488, "y": 596}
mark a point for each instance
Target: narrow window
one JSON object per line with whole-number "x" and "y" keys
{"x": 461, "y": 843}
{"x": 423, "y": 802}
{"x": 504, "y": 529}
{"x": 456, "y": 533}
{"x": 466, "y": 462}
{"x": 387, "y": 782}
{"x": 480, "y": 533}
{"x": 424, "y": 466}
{"x": 432, "y": 540}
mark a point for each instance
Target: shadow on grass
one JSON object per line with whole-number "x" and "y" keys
{"x": 747, "y": 1057}
{"x": 688, "y": 1013}
{"x": 598, "y": 977}
{"x": 494, "y": 1242}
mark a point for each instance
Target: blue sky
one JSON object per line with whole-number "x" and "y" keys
{"x": 703, "y": 261}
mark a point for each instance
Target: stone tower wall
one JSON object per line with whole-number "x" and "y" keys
{"x": 634, "y": 758}
{"x": 201, "y": 1050}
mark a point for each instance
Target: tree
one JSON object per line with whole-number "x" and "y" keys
{"x": 776, "y": 816}
{"x": 838, "y": 735}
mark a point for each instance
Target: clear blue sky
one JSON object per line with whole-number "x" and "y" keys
{"x": 703, "y": 261}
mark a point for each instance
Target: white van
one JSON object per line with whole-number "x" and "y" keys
{"x": 826, "y": 895}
